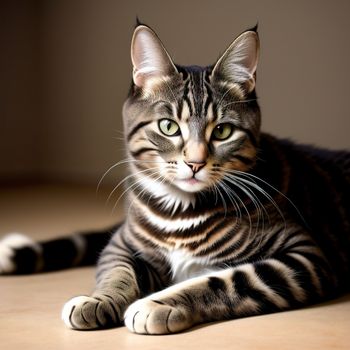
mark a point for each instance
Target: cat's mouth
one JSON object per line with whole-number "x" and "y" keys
{"x": 190, "y": 184}
{"x": 191, "y": 181}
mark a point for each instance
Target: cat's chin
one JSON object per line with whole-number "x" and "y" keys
{"x": 191, "y": 185}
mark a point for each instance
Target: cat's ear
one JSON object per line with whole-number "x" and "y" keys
{"x": 238, "y": 63}
{"x": 151, "y": 62}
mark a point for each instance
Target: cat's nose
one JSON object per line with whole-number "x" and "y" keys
{"x": 195, "y": 166}
{"x": 195, "y": 155}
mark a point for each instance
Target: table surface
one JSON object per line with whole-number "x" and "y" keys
{"x": 30, "y": 306}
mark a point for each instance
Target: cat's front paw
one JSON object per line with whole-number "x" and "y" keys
{"x": 84, "y": 312}
{"x": 147, "y": 316}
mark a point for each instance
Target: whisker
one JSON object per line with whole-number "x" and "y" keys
{"x": 256, "y": 202}
{"x": 266, "y": 195}
{"x": 226, "y": 92}
{"x": 126, "y": 178}
{"x": 275, "y": 189}
{"x": 228, "y": 189}
{"x": 138, "y": 183}
{"x": 222, "y": 199}
{"x": 121, "y": 162}
{"x": 141, "y": 194}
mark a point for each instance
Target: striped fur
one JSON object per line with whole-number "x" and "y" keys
{"x": 215, "y": 228}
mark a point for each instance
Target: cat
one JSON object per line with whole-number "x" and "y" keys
{"x": 223, "y": 221}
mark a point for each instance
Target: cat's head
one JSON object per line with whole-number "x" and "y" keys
{"x": 188, "y": 128}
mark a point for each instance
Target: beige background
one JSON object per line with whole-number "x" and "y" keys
{"x": 65, "y": 71}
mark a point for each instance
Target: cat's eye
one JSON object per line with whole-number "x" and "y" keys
{"x": 168, "y": 127}
{"x": 222, "y": 131}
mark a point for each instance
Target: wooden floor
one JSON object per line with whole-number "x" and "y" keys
{"x": 30, "y": 306}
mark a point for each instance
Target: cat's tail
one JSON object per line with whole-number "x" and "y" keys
{"x": 19, "y": 254}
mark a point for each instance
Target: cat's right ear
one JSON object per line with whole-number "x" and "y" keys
{"x": 151, "y": 62}
{"x": 239, "y": 62}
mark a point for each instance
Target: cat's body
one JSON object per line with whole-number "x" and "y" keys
{"x": 222, "y": 221}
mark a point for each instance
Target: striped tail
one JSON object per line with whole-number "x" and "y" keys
{"x": 21, "y": 255}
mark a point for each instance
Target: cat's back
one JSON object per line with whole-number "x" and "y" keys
{"x": 317, "y": 181}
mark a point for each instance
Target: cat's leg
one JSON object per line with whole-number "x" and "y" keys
{"x": 121, "y": 279}
{"x": 286, "y": 281}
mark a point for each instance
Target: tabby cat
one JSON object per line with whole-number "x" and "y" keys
{"x": 223, "y": 221}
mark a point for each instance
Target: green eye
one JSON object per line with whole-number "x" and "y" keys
{"x": 168, "y": 127}
{"x": 222, "y": 131}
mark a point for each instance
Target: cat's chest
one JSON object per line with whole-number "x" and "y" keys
{"x": 184, "y": 265}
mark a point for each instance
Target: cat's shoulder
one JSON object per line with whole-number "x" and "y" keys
{"x": 271, "y": 145}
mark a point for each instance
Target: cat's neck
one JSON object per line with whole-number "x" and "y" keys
{"x": 167, "y": 195}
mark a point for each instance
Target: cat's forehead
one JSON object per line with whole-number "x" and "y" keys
{"x": 201, "y": 99}
{"x": 197, "y": 92}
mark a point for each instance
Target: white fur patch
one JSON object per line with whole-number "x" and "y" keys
{"x": 171, "y": 225}
{"x": 8, "y": 245}
{"x": 185, "y": 266}
{"x": 169, "y": 197}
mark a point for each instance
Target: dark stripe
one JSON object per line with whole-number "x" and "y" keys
{"x": 204, "y": 205}
{"x": 324, "y": 273}
{"x": 197, "y": 92}
{"x": 154, "y": 231}
{"x": 213, "y": 248}
{"x": 62, "y": 253}
{"x": 186, "y": 98}
{"x": 137, "y": 153}
{"x": 59, "y": 253}
{"x": 25, "y": 259}
{"x": 265, "y": 247}
{"x": 136, "y": 128}
{"x": 95, "y": 243}
{"x": 299, "y": 244}
{"x": 233, "y": 146}
{"x": 126, "y": 301}
{"x": 208, "y": 100}
{"x": 251, "y": 136}
{"x": 245, "y": 160}
{"x": 244, "y": 288}
{"x": 116, "y": 315}
{"x": 302, "y": 276}
{"x": 231, "y": 249}
{"x": 216, "y": 284}
{"x": 276, "y": 281}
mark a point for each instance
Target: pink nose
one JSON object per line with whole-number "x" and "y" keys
{"x": 196, "y": 166}
{"x": 195, "y": 155}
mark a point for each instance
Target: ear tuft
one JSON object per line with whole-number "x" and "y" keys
{"x": 138, "y": 22}
{"x": 149, "y": 58}
{"x": 239, "y": 62}
{"x": 254, "y": 29}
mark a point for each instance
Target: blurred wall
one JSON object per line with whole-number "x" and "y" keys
{"x": 65, "y": 71}
{"x": 20, "y": 78}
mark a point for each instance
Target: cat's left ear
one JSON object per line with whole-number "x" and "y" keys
{"x": 151, "y": 62}
{"x": 239, "y": 62}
